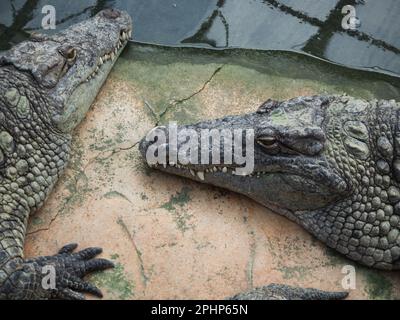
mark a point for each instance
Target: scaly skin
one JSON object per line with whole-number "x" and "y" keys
{"x": 46, "y": 86}
{"x": 329, "y": 163}
{"x": 284, "y": 292}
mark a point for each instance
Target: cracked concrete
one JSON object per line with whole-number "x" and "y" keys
{"x": 176, "y": 102}
{"x": 250, "y": 267}
{"x": 144, "y": 277}
{"x": 182, "y": 100}
{"x": 173, "y": 238}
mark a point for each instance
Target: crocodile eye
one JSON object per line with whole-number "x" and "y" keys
{"x": 68, "y": 53}
{"x": 71, "y": 55}
{"x": 268, "y": 142}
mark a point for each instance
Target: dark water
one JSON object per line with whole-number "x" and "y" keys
{"x": 310, "y": 26}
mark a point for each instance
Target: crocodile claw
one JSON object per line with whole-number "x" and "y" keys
{"x": 70, "y": 267}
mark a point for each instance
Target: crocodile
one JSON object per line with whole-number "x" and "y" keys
{"x": 330, "y": 163}
{"x": 47, "y": 85}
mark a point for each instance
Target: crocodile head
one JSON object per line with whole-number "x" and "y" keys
{"x": 69, "y": 68}
{"x": 325, "y": 162}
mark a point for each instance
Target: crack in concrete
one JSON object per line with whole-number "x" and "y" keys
{"x": 143, "y": 275}
{"x": 253, "y": 248}
{"x": 250, "y": 264}
{"x": 111, "y": 152}
{"x": 174, "y": 103}
{"x": 179, "y": 101}
{"x": 48, "y": 226}
{"x": 153, "y": 112}
{"x": 76, "y": 177}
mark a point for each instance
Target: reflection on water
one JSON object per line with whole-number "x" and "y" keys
{"x": 313, "y": 27}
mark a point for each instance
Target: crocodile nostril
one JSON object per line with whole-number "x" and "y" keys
{"x": 111, "y": 13}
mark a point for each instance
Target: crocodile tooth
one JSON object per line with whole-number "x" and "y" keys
{"x": 225, "y": 170}
{"x": 97, "y": 69}
{"x": 116, "y": 51}
{"x": 192, "y": 172}
{"x": 101, "y": 61}
{"x": 200, "y": 174}
{"x": 107, "y": 57}
{"x": 112, "y": 56}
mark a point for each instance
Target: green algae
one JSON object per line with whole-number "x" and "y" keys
{"x": 115, "y": 281}
{"x": 179, "y": 199}
{"x": 115, "y": 194}
{"x": 377, "y": 285}
{"x": 175, "y": 205}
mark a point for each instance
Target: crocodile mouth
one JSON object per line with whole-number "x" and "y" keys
{"x": 274, "y": 188}
{"x": 313, "y": 175}
{"x": 202, "y": 172}
{"x": 83, "y": 95}
{"x": 108, "y": 59}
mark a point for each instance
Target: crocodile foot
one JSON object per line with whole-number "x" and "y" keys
{"x": 68, "y": 269}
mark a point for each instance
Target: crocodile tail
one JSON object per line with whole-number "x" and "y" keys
{"x": 285, "y": 292}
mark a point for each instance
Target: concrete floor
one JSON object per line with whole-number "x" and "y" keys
{"x": 173, "y": 238}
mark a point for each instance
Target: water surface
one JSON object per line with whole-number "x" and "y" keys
{"x": 308, "y": 26}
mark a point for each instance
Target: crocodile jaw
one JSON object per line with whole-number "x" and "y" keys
{"x": 85, "y": 93}
{"x": 113, "y": 29}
